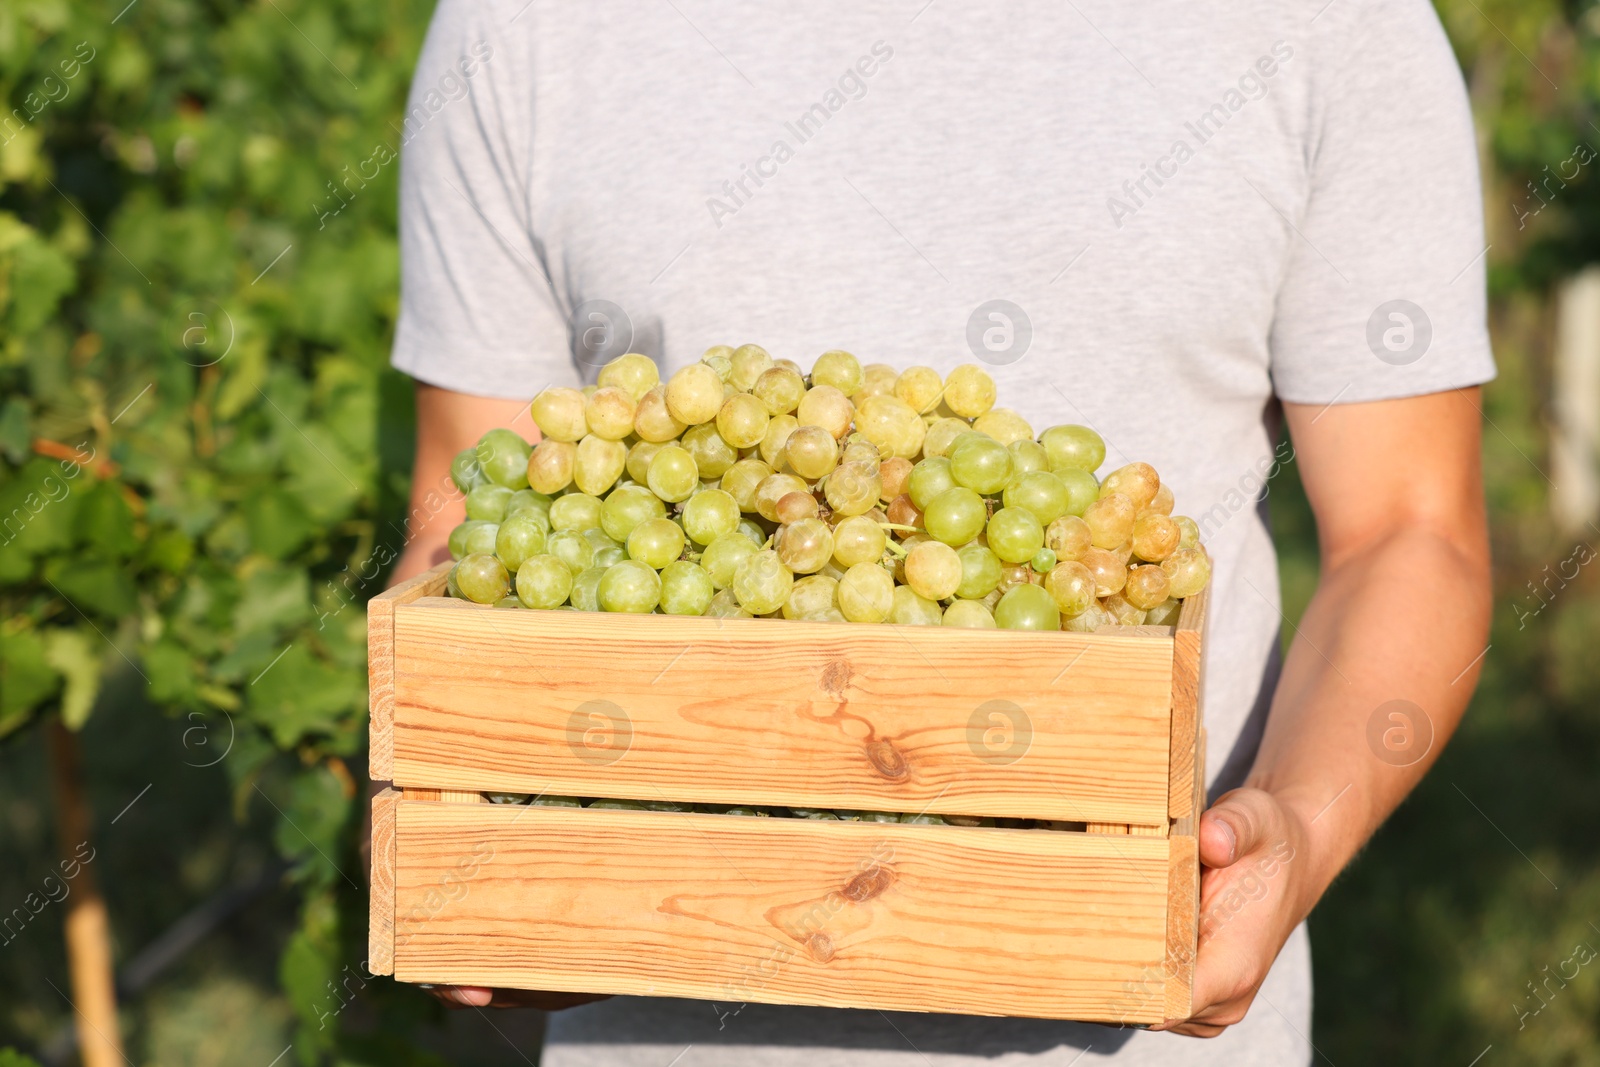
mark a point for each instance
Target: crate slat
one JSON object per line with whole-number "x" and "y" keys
{"x": 899, "y": 917}
{"x": 380, "y": 663}
{"x": 380, "y": 880}
{"x": 806, "y": 714}
{"x": 1186, "y": 681}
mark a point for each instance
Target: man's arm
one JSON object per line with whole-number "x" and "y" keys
{"x": 447, "y": 422}
{"x": 1401, "y": 613}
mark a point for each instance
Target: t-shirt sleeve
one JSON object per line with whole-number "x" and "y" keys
{"x": 1383, "y": 295}
{"x": 478, "y": 313}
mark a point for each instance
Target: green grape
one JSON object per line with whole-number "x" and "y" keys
{"x": 652, "y": 421}
{"x": 726, "y": 606}
{"x": 571, "y": 548}
{"x": 488, "y": 503}
{"x": 1082, "y": 489}
{"x": 909, "y": 609}
{"x": 686, "y": 588}
{"x": 518, "y": 538}
{"x": 713, "y": 456}
{"x": 608, "y": 554}
{"x": 1027, "y": 607}
{"x": 929, "y": 478}
{"x": 1068, "y": 537}
{"x": 1123, "y": 611}
{"x": 1188, "y": 570}
{"x": 576, "y": 511}
{"x": 1071, "y": 586}
{"x": 969, "y": 615}
{"x": 1155, "y": 536}
{"x": 673, "y": 475}
{"x": 827, "y": 407}
{"x": 838, "y": 369}
{"x": 891, "y": 424}
{"x": 955, "y": 516}
{"x": 598, "y": 463}
{"x": 742, "y": 421}
{"x": 1014, "y": 534}
{"x": 1043, "y": 561}
{"x": 924, "y": 819}
{"x": 866, "y": 593}
{"x": 811, "y": 452}
{"x": 503, "y": 454}
{"x": 627, "y": 507}
{"x": 752, "y": 529}
{"x": 895, "y": 474}
{"x": 933, "y": 570}
{"x": 633, "y": 372}
{"x": 558, "y": 412}
{"x": 742, "y": 480}
{"x": 805, "y": 546}
{"x": 1110, "y": 573}
{"x": 639, "y": 457}
{"x": 1015, "y": 574}
{"x": 1136, "y": 481}
{"x": 748, "y": 363}
{"x": 762, "y": 583}
{"x": 980, "y": 571}
{"x": 451, "y": 586}
{"x": 941, "y": 435}
{"x": 1162, "y": 502}
{"x": 724, "y": 556}
{"x": 773, "y": 488}
{"x": 629, "y": 586}
{"x": 852, "y": 489}
{"x": 1041, "y": 493}
{"x": 792, "y": 507}
{"x": 779, "y": 429}
{"x": 980, "y": 463}
{"x": 1110, "y": 520}
{"x": 482, "y": 578}
{"x": 812, "y": 597}
{"x": 474, "y": 535}
{"x": 1004, "y": 425}
{"x": 969, "y": 391}
{"x": 466, "y": 471}
{"x": 543, "y": 581}
{"x": 718, "y": 352}
{"x": 1189, "y": 536}
{"x": 709, "y": 514}
{"x": 585, "y": 594}
{"x": 1146, "y": 587}
{"x": 920, "y": 387}
{"x": 780, "y": 389}
{"x": 1165, "y": 613}
{"x": 656, "y": 542}
{"x": 694, "y": 394}
{"x": 597, "y": 537}
{"x": 1028, "y": 455}
{"x": 550, "y": 466}
{"x": 858, "y": 540}
{"x": 1093, "y": 617}
{"x": 1074, "y": 446}
{"x": 529, "y": 501}
{"x": 857, "y": 449}
{"x": 609, "y": 413}
{"x": 507, "y": 602}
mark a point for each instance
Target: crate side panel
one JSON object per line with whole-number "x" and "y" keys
{"x": 1059, "y": 725}
{"x": 916, "y": 918}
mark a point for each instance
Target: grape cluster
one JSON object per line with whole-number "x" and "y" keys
{"x": 742, "y": 487}
{"x": 550, "y": 800}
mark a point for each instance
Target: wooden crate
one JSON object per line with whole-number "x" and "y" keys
{"x": 1098, "y": 729}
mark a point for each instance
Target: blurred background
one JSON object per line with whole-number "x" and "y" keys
{"x": 198, "y": 284}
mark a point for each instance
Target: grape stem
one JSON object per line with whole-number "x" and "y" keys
{"x": 894, "y": 546}
{"x": 898, "y": 526}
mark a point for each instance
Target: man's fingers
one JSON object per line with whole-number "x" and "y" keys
{"x": 1235, "y": 826}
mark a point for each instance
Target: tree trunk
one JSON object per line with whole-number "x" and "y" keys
{"x": 88, "y": 929}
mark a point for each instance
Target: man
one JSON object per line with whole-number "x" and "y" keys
{"x": 1170, "y": 222}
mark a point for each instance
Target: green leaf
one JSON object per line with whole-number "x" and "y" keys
{"x": 77, "y": 656}
{"x": 273, "y": 600}
{"x": 299, "y": 695}
{"x": 97, "y": 586}
{"x": 38, "y": 508}
{"x": 26, "y": 681}
{"x": 307, "y": 971}
{"x": 277, "y": 522}
{"x": 14, "y": 423}
{"x": 105, "y": 522}
{"x": 172, "y": 673}
{"x": 40, "y": 276}
{"x": 10, "y": 1057}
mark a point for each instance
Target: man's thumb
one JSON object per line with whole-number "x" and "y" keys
{"x": 1234, "y": 826}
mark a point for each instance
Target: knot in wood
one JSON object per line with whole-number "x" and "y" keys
{"x": 820, "y": 945}
{"x": 836, "y": 678}
{"x": 868, "y": 884}
{"x": 886, "y": 760}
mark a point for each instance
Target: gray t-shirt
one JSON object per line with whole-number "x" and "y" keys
{"x": 1187, "y": 210}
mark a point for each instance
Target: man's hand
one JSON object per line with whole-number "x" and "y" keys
{"x": 469, "y": 996}
{"x": 1252, "y": 896}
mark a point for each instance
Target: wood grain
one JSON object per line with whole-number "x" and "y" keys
{"x": 898, "y": 917}
{"x": 380, "y": 921}
{"x": 1035, "y": 725}
{"x": 1186, "y": 681}
{"x": 380, "y": 664}
{"x": 1183, "y": 904}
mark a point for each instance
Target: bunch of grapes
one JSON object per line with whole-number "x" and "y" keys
{"x": 742, "y": 487}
